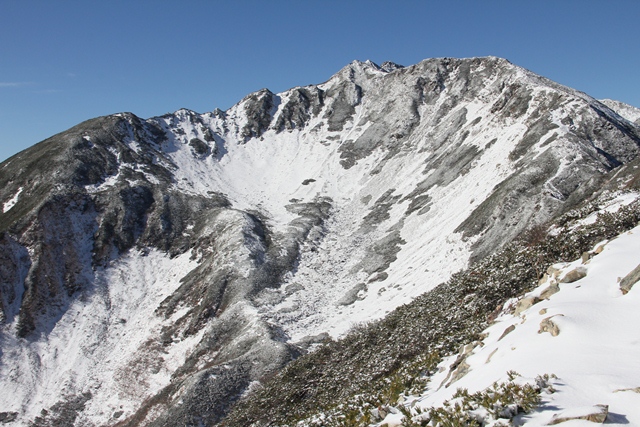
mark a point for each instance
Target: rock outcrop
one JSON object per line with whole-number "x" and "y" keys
{"x": 629, "y": 280}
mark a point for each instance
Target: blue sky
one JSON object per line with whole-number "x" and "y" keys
{"x": 62, "y": 62}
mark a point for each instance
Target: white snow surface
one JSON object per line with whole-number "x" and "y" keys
{"x": 595, "y": 356}
{"x": 6, "y": 207}
{"x": 106, "y": 343}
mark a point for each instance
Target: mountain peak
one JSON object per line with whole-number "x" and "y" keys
{"x": 389, "y": 66}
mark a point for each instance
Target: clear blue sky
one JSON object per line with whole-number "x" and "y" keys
{"x": 62, "y": 62}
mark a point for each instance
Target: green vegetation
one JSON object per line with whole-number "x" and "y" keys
{"x": 499, "y": 403}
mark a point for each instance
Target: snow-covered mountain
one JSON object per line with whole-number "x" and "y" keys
{"x": 627, "y": 111}
{"x": 152, "y": 270}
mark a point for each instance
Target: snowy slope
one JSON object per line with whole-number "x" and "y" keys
{"x": 267, "y": 173}
{"x": 583, "y": 335}
{"x": 102, "y": 343}
{"x": 627, "y": 111}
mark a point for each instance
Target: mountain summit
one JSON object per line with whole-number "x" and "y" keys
{"x": 152, "y": 271}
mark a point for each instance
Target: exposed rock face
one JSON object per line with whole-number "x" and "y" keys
{"x": 152, "y": 270}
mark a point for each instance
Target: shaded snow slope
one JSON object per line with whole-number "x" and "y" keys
{"x": 202, "y": 252}
{"x": 105, "y": 346}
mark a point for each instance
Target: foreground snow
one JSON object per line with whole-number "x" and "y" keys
{"x": 594, "y": 355}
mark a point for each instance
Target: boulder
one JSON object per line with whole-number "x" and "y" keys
{"x": 600, "y": 247}
{"x": 553, "y": 271}
{"x": 378, "y": 277}
{"x": 552, "y": 289}
{"x": 547, "y": 325}
{"x": 524, "y": 304}
{"x": 545, "y": 279}
{"x": 507, "y": 331}
{"x": 629, "y": 280}
{"x": 633, "y": 389}
{"x": 594, "y": 414}
{"x": 462, "y": 370}
{"x": 460, "y": 367}
{"x": 353, "y": 295}
{"x": 574, "y": 275}
{"x": 490, "y": 356}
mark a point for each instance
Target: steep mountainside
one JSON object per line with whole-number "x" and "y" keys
{"x": 627, "y": 111}
{"x": 459, "y": 335}
{"x": 152, "y": 270}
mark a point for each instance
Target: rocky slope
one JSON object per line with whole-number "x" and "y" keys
{"x": 545, "y": 336}
{"x": 627, "y": 111}
{"x": 151, "y": 270}
{"x": 448, "y": 357}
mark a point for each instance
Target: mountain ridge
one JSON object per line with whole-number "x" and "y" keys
{"x": 289, "y": 217}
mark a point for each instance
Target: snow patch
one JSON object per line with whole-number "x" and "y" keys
{"x": 610, "y": 207}
{"x": 6, "y": 207}
{"x": 104, "y": 344}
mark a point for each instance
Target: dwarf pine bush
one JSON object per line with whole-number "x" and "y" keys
{"x": 496, "y": 405}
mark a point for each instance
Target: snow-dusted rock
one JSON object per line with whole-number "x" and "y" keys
{"x": 148, "y": 263}
{"x": 629, "y": 280}
{"x": 574, "y": 275}
{"x": 507, "y": 331}
{"x": 525, "y": 303}
{"x": 553, "y": 288}
{"x": 548, "y": 325}
{"x": 595, "y": 414}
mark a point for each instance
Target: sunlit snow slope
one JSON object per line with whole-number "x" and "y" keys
{"x": 577, "y": 328}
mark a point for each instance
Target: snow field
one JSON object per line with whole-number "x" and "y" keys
{"x": 103, "y": 344}
{"x": 594, "y": 356}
